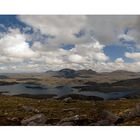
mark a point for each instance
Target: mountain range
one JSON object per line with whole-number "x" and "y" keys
{"x": 70, "y": 73}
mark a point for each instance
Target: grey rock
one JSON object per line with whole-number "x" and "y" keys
{"x": 68, "y": 100}
{"x": 66, "y": 124}
{"x": 103, "y": 123}
{"x": 36, "y": 124}
{"x": 29, "y": 108}
{"x": 13, "y": 119}
{"x": 75, "y": 120}
{"x": 38, "y": 119}
{"x": 107, "y": 115}
{"x": 132, "y": 113}
{"x": 69, "y": 119}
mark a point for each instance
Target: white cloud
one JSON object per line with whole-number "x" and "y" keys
{"x": 126, "y": 37}
{"x": 104, "y": 28}
{"x": 134, "y": 55}
{"x": 14, "y": 44}
{"x": 81, "y": 56}
{"x": 75, "y": 58}
{"x": 17, "y": 55}
{"x": 56, "y": 25}
{"x": 119, "y": 61}
{"x": 86, "y": 54}
{"x": 15, "y": 51}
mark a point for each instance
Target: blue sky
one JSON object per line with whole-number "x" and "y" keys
{"x": 117, "y": 51}
{"x": 117, "y": 41}
{"x": 11, "y": 21}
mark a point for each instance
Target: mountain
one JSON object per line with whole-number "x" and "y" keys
{"x": 67, "y": 73}
{"x": 70, "y": 73}
{"x": 122, "y": 72}
{"x": 51, "y": 73}
{"x": 86, "y": 72}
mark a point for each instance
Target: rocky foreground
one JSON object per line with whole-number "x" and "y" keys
{"x": 68, "y": 112}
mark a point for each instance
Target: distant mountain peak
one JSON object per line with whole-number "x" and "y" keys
{"x": 122, "y": 71}
{"x": 66, "y": 69}
{"x": 89, "y": 71}
{"x": 70, "y": 73}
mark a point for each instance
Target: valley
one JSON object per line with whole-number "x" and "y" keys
{"x": 69, "y": 97}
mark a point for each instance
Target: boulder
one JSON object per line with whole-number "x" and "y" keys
{"x": 102, "y": 123}
{"x": 29, "y": 109}
{"x": 13, "y": 120}
{"x": 68, "y": 100}
{"x": 66, "y": 124}
{"x": 132, "y": 113}
{"x": 114, "y": 119}
{"x": 69, "y": 120}
{"x": 35, "y": 124}
{"x": 75, "y": 120}
{"x": 38, "y": 119}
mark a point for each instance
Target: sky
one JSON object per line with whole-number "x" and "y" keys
{"x": 39, "y": 43}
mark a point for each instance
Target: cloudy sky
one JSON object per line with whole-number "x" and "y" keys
{"x": 40, "y": 43}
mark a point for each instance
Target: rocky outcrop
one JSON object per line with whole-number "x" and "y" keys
{"x": 66, "y": 73}
{"x": 67, "y": 123}
{"x": 70, "y": 73}
{"x": 102, "y": 123}
{"x": 28, "y": 109}
{"x": 112, "y": 118}
{"x": 132, "y": 112}
{"x": 38, "y": 119}
{"x": 86, "y": 72}
{"x": 68, "y": 100}
{"x": 75, "y": 121}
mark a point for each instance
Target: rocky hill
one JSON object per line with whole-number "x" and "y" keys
{"x": 70, "y": 73}
{"x": 66, "y": 73}
{"x": 86, "y": 72}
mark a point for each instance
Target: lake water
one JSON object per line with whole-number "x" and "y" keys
{"x": 18, "y": 89}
